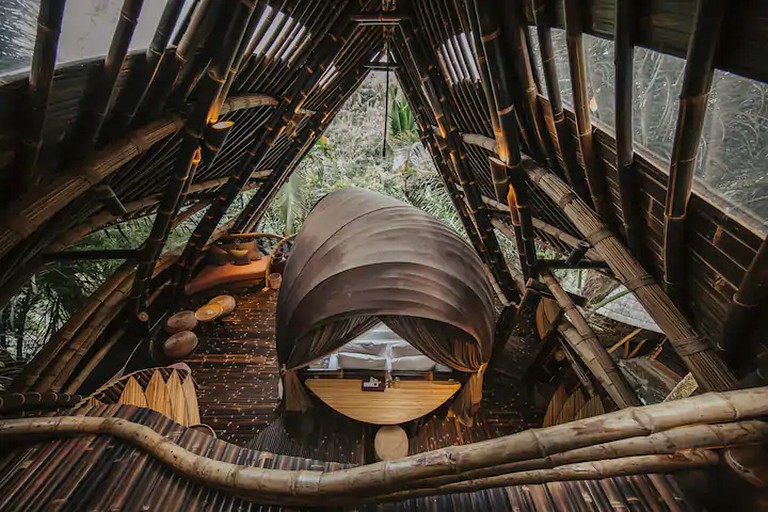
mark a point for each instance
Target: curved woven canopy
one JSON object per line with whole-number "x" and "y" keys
{"x": 363, "y": 257}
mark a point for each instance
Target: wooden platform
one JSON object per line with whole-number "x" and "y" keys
{"x": 404, "y": 401}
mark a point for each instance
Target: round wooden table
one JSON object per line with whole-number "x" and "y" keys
{"x": 391, "y": 442}
{"x": 404, "y": 401}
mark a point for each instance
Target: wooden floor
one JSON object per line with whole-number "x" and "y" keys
{"x": 235, "y": 367}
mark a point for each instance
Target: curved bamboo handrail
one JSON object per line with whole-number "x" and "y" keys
{"x": 23, "y": 216}
{"x": 378, "y": 481}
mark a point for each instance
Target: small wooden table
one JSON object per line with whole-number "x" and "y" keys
{"x": 406, "y": 400}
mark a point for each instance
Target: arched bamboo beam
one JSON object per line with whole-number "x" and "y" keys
{"x": 697, "y": 81}
{"x": 700, "y": 358}
{"x": 23, "y": 216}
{"x": 374, "y": 481}
{"x": 589, "y": 349}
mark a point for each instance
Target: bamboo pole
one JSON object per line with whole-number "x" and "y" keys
{"x": 700, "y": 358}
{"x": 23, "y": 216}
{"x": 376, "y": 480}
{"x": 563, "y": 142}
{"x": 752, "y": 292}
{"x": 623, "y": 57}
{"x": 203, "y": 112}
{"x": 584, "y": 342}
{"x": 697, "y": 82}
{"x": 89, "y": 126}
{"x": 578, "y": 70}
{"x": 40, "y": 81}
{"x": 293, "y": 101}
{"x": 152, "y": 60}
{"x": 437, "y": 98}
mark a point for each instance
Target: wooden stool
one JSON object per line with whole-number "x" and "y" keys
{"x": 180, "y": 345}
{"x": 209, "y": 312}
{"x": 181, "y": 321}
{"x": 391, "y": 442}
{"x": 227, "y": 302}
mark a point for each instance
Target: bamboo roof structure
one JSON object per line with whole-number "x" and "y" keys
{"x": 231, "y": 95}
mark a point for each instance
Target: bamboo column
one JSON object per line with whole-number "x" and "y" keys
{"x": 292, "y": 102}
{"x": 623, "y": 57}
{"x": 147, "y": 69}
{"x": 563, "y": 137}
{"x": 589, "y": 348}
{"x": 595, "y": 178}
{"x": 189, "y": 154}
{"x": 752, "y": 292}
{"x": 40, "y": 82}
{"x": 441, "y": 160}
{"x": 700, "y": 358}
{"x": 697, "y": 82}
{"x": 437, "y": 97}
{"x": 89, "y": 126}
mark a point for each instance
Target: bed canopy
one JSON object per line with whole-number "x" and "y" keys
{"x": 362, "y": 258}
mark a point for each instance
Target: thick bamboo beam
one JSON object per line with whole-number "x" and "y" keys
{"x": 379, "y": 479}
{"x": 89, "y": 126}
{"x": 623, "y": 57}
{"x": 188, "y": 157}
{"x": 700, "y": 358}
{"x": 584, "y": 342}
{"x": 578, "y": 70}
{"x": 437, "y": 96}
{"x": 745, "y": 304}
{"x": 40, "y": 81}
{"x": 553, "y": 231}
{"x": 23, "y": 216}
{"x": 697, "y": 82}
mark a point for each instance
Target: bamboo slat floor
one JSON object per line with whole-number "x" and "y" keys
{"x": 235, "y": 367}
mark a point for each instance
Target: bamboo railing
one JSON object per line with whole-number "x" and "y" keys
{"x": 665, "y": 437}
{"x": 697, "y": 81}
{"x": 701, "y": 359}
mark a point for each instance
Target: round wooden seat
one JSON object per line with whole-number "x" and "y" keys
{"x": 209, "y": 312}
{"x": 391, "y": 442}
{"x": 227, "y": 303}
{"x": 181, "y": 321}
{"x": 180, "y": 345}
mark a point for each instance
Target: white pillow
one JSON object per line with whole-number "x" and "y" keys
{"x": 443, "y": 368}
{"x": 420, "y": 363}
{"x": 403, "y": 349}
{"x": 371, "y": 347}
{"x": 349, "y": 361}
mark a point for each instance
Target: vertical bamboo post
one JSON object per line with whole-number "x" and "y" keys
{"x": 189, "y": 154}
{"x": 294, "y": 98}
{"x": 752, "y": 292}
{"x": 623, "y": 59}
{"x": 578, "y": 70}
{"x": 697, "y": 81}
{"x": 89, "y": 127}
{"x": 437, "y": 97}
{"x": 700, "y": 358}
{"x": 589, "y": 348}
{"x": 40, "y": 81}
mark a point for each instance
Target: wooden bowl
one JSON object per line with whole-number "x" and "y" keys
{"x": 180, "y": 345}
{"x": 209, "y": 312}
{"x": 181, "y": 321}
{"x": 226, "y": 301}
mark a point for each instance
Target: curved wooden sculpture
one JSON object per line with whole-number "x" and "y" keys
{"x": 362, "y": 258}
